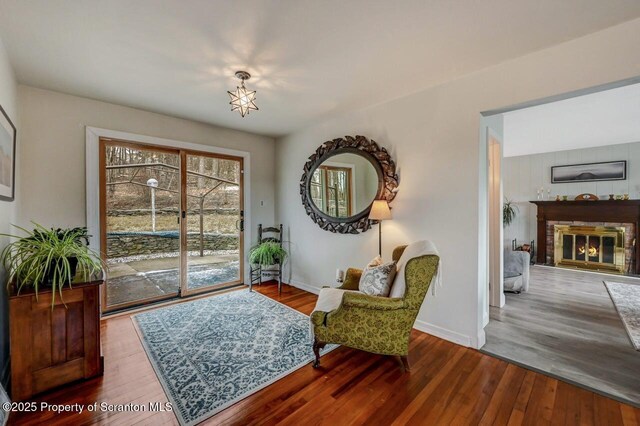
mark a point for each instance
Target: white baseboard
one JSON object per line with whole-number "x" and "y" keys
{"x": 305, "y": 287}
{"x": 425, "y": 327}
{"x": 480, "y": 339}
{"x": 443, "y": 333}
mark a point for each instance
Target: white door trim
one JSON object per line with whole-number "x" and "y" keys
{"x": 496, "y": 227}
{"x": 93, "y": 135}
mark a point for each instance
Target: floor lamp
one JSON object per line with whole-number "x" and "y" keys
{"x": 380, "y": 211}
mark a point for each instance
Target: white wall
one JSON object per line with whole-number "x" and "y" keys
{"x": 433, "y": 137}
{"x": 523, "y": 175}
{"x": 609, "y": 117}
{"x": 8, "y": 100}
{"x": 53, "y": 153}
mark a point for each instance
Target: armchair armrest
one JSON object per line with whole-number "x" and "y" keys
{"x": 351, "y": 279}
{"x": 361, "y": 300}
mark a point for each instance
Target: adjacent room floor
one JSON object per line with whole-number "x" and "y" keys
{"x": 448, "y": 384}
{"x": 567, "y": 325}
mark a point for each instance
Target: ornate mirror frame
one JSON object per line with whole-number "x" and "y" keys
{"x": 376, "y": 155}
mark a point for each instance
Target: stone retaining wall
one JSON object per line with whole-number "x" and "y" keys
{"x": 124, "y": 245}
{"x": 165, "y": 211}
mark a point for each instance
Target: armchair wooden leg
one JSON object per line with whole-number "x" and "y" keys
{"x": 404, "y": 360}
{"x": 317, "y": 346}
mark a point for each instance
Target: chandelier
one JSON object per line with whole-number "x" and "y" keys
{"x": 242, "y": 100}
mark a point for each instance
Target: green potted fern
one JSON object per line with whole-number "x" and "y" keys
{"x": 509, "y": 211}
{"x": 267, "y": 253}
{"x": 49, "y": 258}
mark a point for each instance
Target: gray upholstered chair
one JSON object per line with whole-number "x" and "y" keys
{"x": 516, "y": 271}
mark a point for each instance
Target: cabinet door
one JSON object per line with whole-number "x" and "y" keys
{"x": 54, "y": 346}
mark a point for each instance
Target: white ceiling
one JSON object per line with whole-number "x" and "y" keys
{"x": 309, "y": 58}
{"x": 604, "y": 118}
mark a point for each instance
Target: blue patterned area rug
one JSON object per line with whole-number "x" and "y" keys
{"x": 211, "y": 353}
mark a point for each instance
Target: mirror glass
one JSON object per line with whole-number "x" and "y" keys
{"x": 344, "y": 185}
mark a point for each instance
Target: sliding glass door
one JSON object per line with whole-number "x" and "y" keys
{"x": 214, "y": 222}
{"x": 171, "y": 222}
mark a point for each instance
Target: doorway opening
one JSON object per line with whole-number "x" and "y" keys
{"x": 171, "y": 222}
{"x": 569, "y": 248}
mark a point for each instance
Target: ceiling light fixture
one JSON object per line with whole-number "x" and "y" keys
{"x": 242, "y": 100}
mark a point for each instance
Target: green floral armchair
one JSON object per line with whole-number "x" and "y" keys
{"x": 376, "y": 324}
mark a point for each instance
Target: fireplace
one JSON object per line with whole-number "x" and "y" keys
{"x": 599, "y": 248}
{"x": 602, "y": 227}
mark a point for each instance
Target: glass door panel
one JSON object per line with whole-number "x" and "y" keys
{"x": 213, "y": 223}
{"x": 140, "y": 195}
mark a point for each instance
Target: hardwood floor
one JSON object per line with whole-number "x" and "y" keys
{"x": 567, "y": 325}
{"x": 448, "y": 384}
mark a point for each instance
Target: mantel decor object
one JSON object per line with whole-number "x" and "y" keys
{"x": 587, "y": 197}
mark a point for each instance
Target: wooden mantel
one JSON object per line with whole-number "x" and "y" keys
{"x": 614, "y": 211}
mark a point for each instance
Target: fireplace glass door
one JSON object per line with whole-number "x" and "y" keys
{"x": 590, "y": 247}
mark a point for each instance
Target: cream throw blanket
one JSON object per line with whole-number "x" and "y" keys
{"x": 417, "y": 249}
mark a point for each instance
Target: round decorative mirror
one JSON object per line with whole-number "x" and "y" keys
{"x": 342, "y": 179}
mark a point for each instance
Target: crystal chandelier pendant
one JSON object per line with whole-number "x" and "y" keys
{"x": 242, "y": 100}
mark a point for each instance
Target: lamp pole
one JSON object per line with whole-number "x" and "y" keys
{"x": 379, "y": 211}
{"x": 153, "y": 184}
{"x": 380, "y": 238}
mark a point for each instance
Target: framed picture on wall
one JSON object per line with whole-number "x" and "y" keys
{"x": 590, "y": 172}
{"x": 7, "y": 157}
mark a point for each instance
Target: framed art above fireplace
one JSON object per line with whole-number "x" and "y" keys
{"x": 589, "y": 172}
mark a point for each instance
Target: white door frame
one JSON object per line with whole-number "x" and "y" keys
{"x": 93, "y": 135}
{"x": 495, "y": 226}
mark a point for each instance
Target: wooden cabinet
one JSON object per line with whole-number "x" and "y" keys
{"x": 54, "y": 346}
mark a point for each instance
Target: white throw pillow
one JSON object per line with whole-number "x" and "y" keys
{"x": 416, "y": 249}
{"x": 377, "y": 280}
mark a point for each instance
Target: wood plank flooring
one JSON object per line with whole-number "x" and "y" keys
{"x": 567, "y": 325}
{"x": 448, "y": 384}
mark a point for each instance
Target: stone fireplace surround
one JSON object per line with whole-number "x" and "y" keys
{"x": 623, "y": 213}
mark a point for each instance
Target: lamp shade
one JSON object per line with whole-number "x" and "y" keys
{"x": 380, "y": 210}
